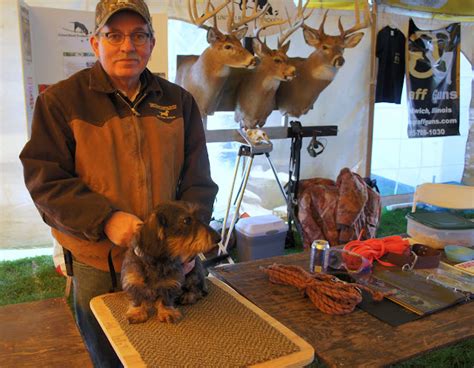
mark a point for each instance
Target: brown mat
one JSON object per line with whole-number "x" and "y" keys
{"x": 221, "y": 330}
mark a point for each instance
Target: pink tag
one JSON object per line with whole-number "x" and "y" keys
{"x": 188, "y": 266}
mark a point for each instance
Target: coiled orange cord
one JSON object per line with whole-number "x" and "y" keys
{"x": 374, "y": 249}
{"x": 329, "y": 294}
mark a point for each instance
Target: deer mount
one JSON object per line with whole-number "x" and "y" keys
{"x": 227, "y": 76}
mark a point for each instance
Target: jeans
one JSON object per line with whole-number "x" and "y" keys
{"x": 89, "y": 282}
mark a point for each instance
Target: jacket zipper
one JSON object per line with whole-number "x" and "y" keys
{"x": 132, "y": 107}
{"x": 147, "y": 193}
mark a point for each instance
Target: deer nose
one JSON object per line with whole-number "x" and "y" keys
{"x": 339, "y": 61}
{"x": 253, "y": 63}
{"x": 290, "y": 74}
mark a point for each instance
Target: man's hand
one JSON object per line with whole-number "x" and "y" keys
{"x": 121, "y": 227}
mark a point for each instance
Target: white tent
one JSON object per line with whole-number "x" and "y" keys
{"x": 347, "y": 102}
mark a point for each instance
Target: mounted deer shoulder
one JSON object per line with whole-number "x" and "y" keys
{"x": 317, "y": 71}
{"x": 256, "y": 93}
{"x": 204, "y": 76}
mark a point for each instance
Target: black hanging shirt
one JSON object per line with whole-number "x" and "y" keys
{"x": 390, "y": 51}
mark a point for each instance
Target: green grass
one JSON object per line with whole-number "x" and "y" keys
{"x": 35, "y": 278}
{"x": 29, "y": 279}
{"x": 393, "y": 222}
{"x": 460, "y": 355}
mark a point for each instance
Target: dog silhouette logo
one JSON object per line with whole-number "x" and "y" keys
{"x": 80, "y": 28}
{"x": 167, "y": 112}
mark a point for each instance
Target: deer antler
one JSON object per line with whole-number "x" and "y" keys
{"x": 264, "y": 25}
{"x": 358, "y": 25}
{"x": 321, "y": 26}
{"x": 233, "y": 26}
{"x": 209, "y": 12}
{"x": 297, "y": 23}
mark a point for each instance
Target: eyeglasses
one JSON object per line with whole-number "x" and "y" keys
{"x": 117, "y": 38}
{"x": 340, "y": 259}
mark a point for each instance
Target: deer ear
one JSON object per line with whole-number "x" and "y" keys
{"x": 260, "y": 48}
{"x": 240, "y": 33}
{"x": 353, "y": 40}
{"x": 311, "y": 37}
{"x": 213, "y": 34}
{"x": 285, "y": 47}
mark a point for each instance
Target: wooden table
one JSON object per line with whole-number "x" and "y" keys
{"x": 41, "y": 334}
{"x": 356, "y": 339}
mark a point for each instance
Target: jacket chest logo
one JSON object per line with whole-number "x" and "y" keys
{"x": 164, "y": 112}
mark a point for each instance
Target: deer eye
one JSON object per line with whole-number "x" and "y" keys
{"x": 187, "y": 221}
{"x": 325, "y": 47}
{"x": 227, "y": 47}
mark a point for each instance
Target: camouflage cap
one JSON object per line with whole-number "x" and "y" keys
{"x": 106, "y": 8}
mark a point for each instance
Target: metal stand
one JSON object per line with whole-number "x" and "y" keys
{"x": 249, "y": 151}
{"x": 296, "y": 132}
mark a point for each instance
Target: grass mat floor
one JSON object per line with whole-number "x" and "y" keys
{"x": 30, "y": 279}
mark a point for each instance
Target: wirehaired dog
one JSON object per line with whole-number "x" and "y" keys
{"x": 153, "y": 271}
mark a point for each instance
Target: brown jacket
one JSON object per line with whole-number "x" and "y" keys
{"x": 92, "y": 152}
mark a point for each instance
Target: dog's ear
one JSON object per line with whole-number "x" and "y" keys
{"x": 136, "y": 239}
{"x": 161, "y": 219}
{"x": 152, "y": 234}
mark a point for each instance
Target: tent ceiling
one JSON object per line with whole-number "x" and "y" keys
{"x": 463, "y": 8}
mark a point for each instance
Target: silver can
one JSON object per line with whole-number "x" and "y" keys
{"x": 319, "y": 253}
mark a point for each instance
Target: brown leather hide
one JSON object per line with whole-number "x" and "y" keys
{"x": 338, "y": 211}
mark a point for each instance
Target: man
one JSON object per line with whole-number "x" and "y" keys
{"x": 107, "y": 145}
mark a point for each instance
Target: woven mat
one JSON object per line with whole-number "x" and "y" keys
{"x": 218, "y": 331}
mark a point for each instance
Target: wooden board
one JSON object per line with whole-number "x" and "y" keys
{"x": 128, "y": 351}
{"x": 41, "y": 334}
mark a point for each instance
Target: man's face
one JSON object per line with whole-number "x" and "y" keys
{"x": 124, "y": 62}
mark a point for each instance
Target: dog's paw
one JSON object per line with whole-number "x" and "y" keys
{"x": 136, "y": 315}
{"x": 169, "y": 315}
{"x": 190, "y": 297}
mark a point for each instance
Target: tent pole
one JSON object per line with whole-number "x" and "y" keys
{"x": 370, "y": 128}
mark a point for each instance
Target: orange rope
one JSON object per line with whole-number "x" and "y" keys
{"x": 373, "y": 249}
{"x": 329, "y": 294}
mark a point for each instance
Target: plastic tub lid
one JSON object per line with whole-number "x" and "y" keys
{"x": 441, "y": 220}
{"x": 261, "y": 225}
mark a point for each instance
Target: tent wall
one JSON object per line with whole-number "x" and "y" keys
{"x": 344, "y": 103}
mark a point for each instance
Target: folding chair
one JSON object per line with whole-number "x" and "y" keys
{"x": 444, "y": 195}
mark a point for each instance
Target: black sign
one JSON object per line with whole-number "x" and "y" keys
{"x": 433, "y": 81}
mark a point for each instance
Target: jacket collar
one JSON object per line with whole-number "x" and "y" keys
{"x": 100, "y": 82}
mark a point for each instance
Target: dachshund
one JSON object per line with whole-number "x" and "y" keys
{"x": 154, "y": 268}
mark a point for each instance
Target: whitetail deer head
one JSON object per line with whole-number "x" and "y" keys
{"x": 317, "y": 71}
{"x": 256, "y": 93}
{"x": 204, "y": 76}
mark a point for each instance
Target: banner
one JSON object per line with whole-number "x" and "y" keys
{"x": 27, "y": 61}
{"x": 433, "y": 81}
{"x": 464, "y": 8}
